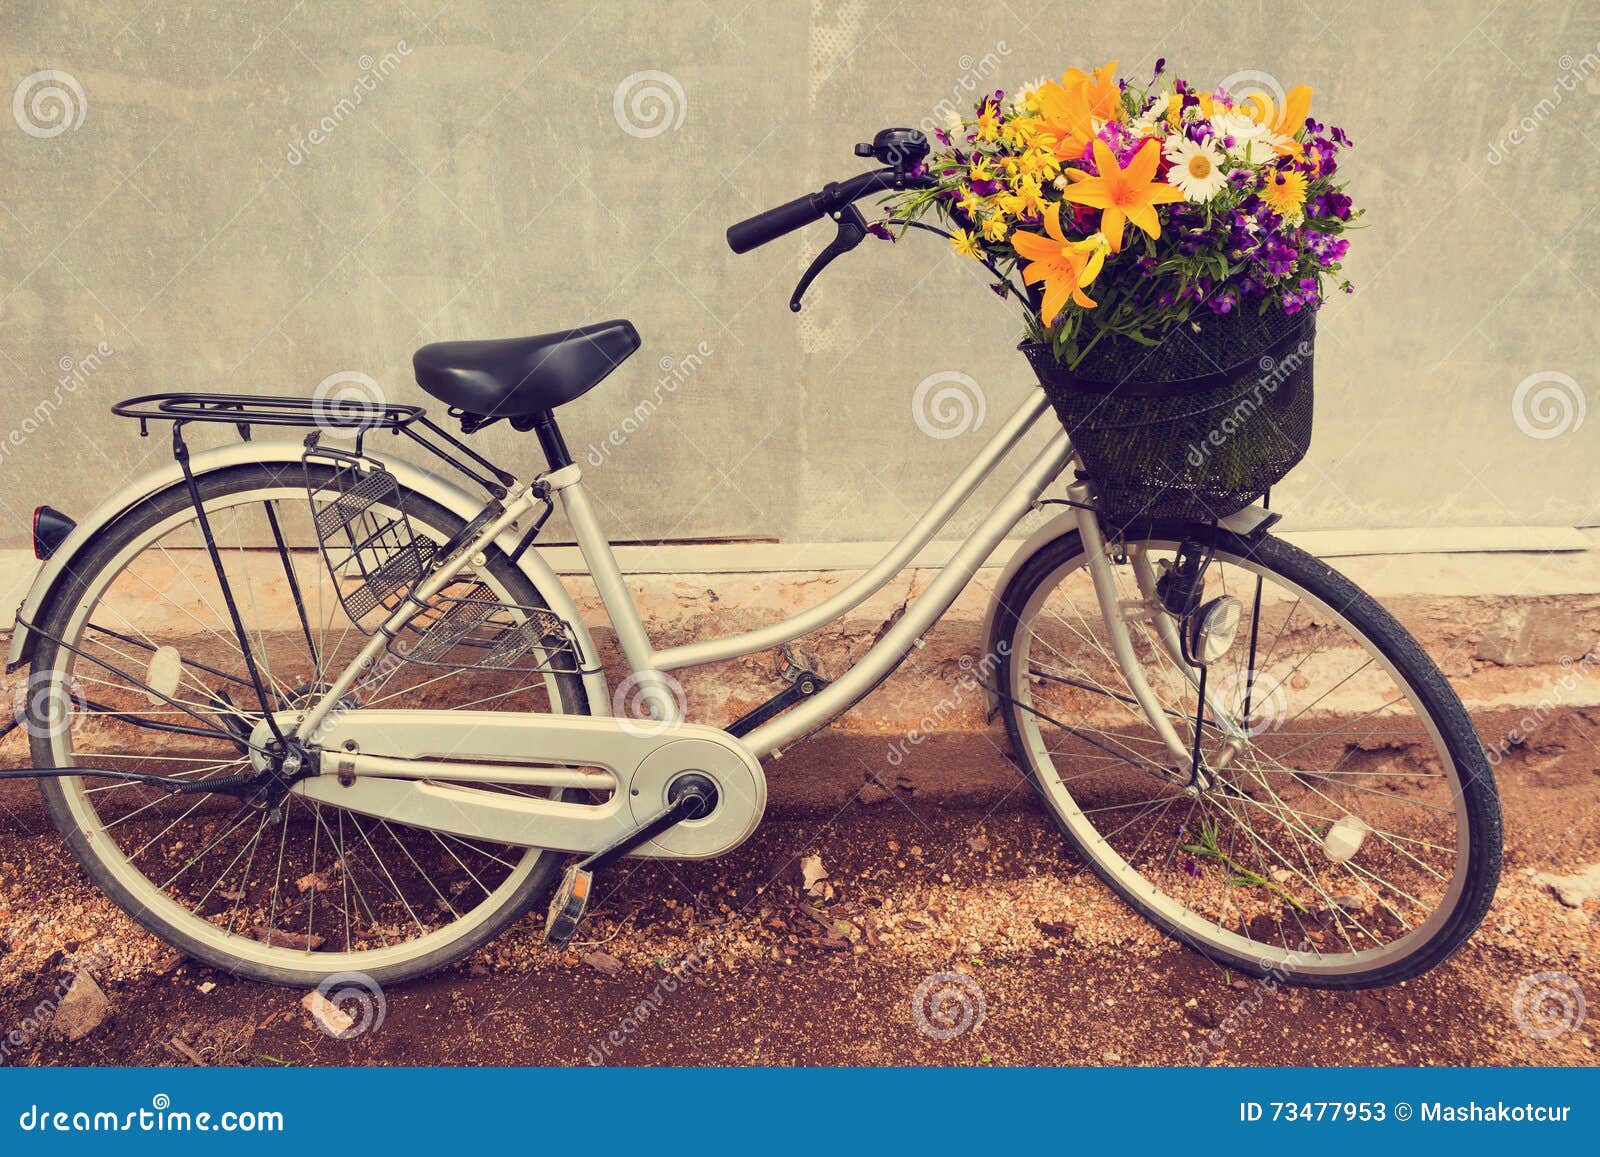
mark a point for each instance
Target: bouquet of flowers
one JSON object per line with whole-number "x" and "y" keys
{"x": 1127, "y": 209}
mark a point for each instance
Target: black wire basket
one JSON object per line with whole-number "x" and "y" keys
{"x": 1197, "y": 427}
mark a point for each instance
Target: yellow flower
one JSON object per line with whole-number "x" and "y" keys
{"x": 1019, "y": 132}
{"x": 1040, "y": 161}
{"x": 980, "y": 170}
{"x": 994, "y": 228}
{"x": 988, "y": 124}
{"x": 1124, "y": 195}
{"x": 965, "y": 244}
{"x": 1064, "y": 266}
{"x": 1028, "y": 197}
{"x": 1285, "y": 192}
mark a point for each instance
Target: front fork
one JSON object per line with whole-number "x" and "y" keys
{"x": 1116, "y": 615}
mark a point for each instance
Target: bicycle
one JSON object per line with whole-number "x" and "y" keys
{"x": 364, "y": 731}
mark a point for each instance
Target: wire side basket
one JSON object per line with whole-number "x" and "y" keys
{"x": 475, "y": 630}
{"x": 366, "y": 538}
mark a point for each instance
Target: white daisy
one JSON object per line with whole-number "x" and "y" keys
{"x": 1019, "y": 100}
{"x": 1196, "y": 169}
{"x": 1147, "y": 122}
{"x": 1248, "y": 138}
{"x": 953, "y": 124}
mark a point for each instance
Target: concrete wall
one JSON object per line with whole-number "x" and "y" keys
{"x": 482, "y": 171}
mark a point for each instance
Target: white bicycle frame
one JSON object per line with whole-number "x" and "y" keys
{"x": 647, "y": 666}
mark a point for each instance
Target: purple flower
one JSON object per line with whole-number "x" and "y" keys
{"x": 1277, "y": 257}
{"x": 1330, "y": 204}
{"x": 1303, "y": 296}
{"x": 1326, "y": 248}
{"x": 880, "y": 229}
{"x": 1121, "y": 140}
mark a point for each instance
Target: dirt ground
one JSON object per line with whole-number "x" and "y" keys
{"x": 978, "y": 917}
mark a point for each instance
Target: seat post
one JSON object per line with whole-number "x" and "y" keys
{"x": 550, "y": 440}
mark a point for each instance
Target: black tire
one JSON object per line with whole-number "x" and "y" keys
{"x": 1394, "y": 642}
{"x": 55, "y": 620}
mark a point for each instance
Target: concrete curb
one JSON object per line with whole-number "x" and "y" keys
{"x": 1509, "y": 630}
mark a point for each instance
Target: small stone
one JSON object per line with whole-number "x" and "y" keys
{"x": 166, "y": 962}
{"x": 330, "y": 1018}
{"x": 81, "y": 1010}
{"x": 278, "y": 938}
{"x": 208, "y": 987}
{"x": 602, "y": 962}
{"x": 872, "y": 794}
{"x": 1574, "y": 890}
{"x": 978, "y": 843}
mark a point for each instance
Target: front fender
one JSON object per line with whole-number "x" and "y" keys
{"x": 447, "y": 494}
{"x": 1250, "y": 521}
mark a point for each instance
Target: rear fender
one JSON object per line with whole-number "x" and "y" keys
{"x": 60, "y": 565}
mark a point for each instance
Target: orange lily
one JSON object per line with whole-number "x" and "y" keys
{"x": 1284, "y": 122}
{"x": 1064, "y": 266}
{"x": 1099, "y": 90}
{"x": 1067, "y": 111}
{"x": 1124, "y": 195}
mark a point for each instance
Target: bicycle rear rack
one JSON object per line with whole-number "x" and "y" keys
{"x": 244, "y": 411}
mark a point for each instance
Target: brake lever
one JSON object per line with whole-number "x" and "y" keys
{"x": 852, "y": 230}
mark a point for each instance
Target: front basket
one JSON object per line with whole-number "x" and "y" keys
{"x": 1196, "y": 427}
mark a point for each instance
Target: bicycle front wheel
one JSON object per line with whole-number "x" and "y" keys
{"x": 1346, "y": 832}
{"x": 139, "y": 669}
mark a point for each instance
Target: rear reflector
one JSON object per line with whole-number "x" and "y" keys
{"x": 50, "y": 529}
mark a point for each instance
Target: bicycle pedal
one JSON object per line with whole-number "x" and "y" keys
{"x": 795, "y": 666}
{"x": 568, "y": 906}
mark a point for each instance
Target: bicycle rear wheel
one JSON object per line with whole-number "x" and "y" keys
{"x": 1354, "y": 838}
{"x": 315, "y": 890}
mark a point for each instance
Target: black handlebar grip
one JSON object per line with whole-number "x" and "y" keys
{"x": 774, "y": 223}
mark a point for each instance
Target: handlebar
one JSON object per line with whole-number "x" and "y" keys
{"x": 802, "y": 211}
